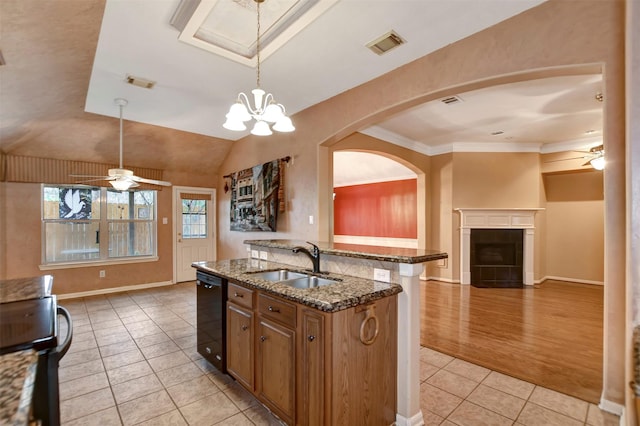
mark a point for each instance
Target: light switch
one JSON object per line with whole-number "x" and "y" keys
{"x": 165, "y": 220}
{"x": 311, "y": 220}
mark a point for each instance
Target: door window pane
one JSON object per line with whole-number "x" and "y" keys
{"x": 194, "y": 218}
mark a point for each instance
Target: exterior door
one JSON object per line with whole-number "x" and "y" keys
{"x": 195, "y": 238}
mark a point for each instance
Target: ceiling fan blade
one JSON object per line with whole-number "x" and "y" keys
{"x": 566, "y": 159}
{"x": 93, "y": 180}
{"x": 90, "y": 176}
{"x": 151, "y": 181}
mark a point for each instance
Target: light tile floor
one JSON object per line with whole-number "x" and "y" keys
{"x": 133, "y": 361}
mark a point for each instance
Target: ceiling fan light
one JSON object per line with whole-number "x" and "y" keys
{"x": 235, "y": 125}
{"x": 238, "y": 112}
{"x": 261, "y": 128}
{"x": 122, "y": 184}
{"x": 597, "y": 163}
{"x": 284, "y": 124}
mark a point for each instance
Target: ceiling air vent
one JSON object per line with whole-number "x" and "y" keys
{"x": 451, "y": 100}
{"x": 140, "y": 82}
{"x": 385, "y": 43}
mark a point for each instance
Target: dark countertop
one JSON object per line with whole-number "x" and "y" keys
{"x": 18, "y": 369}
{"x": 385, "y": 254}
{"x": 25, "y": 288}
{"x": 349, "y": 292}
{"x": 17, "y": 376}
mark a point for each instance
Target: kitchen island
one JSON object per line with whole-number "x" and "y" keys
{"x": 314, "y": 355}
{"x": 400, "y": 267}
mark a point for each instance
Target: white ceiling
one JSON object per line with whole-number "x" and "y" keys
{"x": 324, "y": 55}
{"x": 195, "y": 88}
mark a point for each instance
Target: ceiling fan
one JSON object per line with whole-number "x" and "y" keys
{"x": 594, "y": 157}
{"x": 123, "y": 179}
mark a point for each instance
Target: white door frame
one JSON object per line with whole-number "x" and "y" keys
{"x": 192, "y": 189}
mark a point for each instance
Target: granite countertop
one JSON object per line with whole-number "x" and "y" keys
{"x": 17, "y": 376}
{"x": 385, "y": 254}
{"x": 25, "y": 288}
{"x": 346, "y": 293}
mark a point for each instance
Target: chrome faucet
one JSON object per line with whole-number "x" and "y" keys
{"x": 314, "y": 256}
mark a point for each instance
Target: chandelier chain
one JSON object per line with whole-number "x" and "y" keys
{"x": 258, "y": 46}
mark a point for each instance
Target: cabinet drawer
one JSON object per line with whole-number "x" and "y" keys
{"x": 278, "y": 310}
{"x": 240, "y": 295}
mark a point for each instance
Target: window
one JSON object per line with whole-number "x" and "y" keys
{"x": 194, "y": 218}
{"x": 81, "y": 224}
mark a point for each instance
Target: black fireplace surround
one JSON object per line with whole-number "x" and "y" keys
{"x": 496, "y": 257}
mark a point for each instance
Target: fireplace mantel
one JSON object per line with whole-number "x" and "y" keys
{"x": 497, "y": 218}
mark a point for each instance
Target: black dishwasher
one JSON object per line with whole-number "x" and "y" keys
{"x": 211, "y": 319}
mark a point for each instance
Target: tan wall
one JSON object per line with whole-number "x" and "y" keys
{"x": 444, "y": 233}
{"x": 495, "y": 180}
{"x": 23, "y": 241}
{"x": 558, "y": 37}
{"x": 575, "y": 226}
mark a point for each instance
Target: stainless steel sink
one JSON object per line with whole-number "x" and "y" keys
{"x": 294, "y": 279}
{"x": 279, "y": 275}
{"x": 310, "y": 281}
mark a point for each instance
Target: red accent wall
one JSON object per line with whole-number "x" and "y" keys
{"x": 384, "y": 209}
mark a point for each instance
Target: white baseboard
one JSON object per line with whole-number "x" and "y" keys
{"x": 572, "y": 280}
{"x": 112, "y": 290}
{"x": 444, "y": 280}
{"x": 415, "y": 420}
{"x": 611, "y": 407}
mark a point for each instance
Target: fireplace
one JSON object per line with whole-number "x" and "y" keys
{"x": 496, "y": 257}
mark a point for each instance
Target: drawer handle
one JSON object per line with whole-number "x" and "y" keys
{"x": 236, "y": 294}
{"x": 263, "y": 338}
{"x": 244, "y": 328}
{"x": 272, "y": 309}
{"x": 311, "y": 338}
{"x": 370, "y": 315}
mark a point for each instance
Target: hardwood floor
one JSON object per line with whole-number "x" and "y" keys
{"x": 550, "y": 335}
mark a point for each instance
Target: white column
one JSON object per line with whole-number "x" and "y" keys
{"x": 465, "y": 256}
{"x": 527, "y": 256}
{"x": 409, "y": 413}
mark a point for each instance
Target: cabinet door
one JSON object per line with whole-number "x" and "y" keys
{"x": 240, "y": 344}
{"x": 311, "y": 395}
{"x": 276, "y": 366}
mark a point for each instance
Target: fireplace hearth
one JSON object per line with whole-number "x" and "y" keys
{"x": 496, "y": 257}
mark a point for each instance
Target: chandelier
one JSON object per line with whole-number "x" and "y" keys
{"x": 264, "y": 108}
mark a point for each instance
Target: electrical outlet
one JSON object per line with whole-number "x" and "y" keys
{"x": 103, "y": 273}
{"x": 383, "y": 275}
{"x": 311, "y": 220}
{"x": 263, "y": 255}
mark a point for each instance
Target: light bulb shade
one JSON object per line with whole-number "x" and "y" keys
{"x": 597, "y": 163}
{"x": 284, "y": 124}
{"x": 122, "y": 184}
{"x": 238, "y": 112}
{"x": 261, "y": 128}
{"x": 272, "y": 113}
{"x": 235, "y": 125}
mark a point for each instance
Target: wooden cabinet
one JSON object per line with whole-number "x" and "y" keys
{"x": 312, "y": 367}
{"x": 311, "y": 371}
{"x": 276, "y": 356}
{"x": 240, "y": 335}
